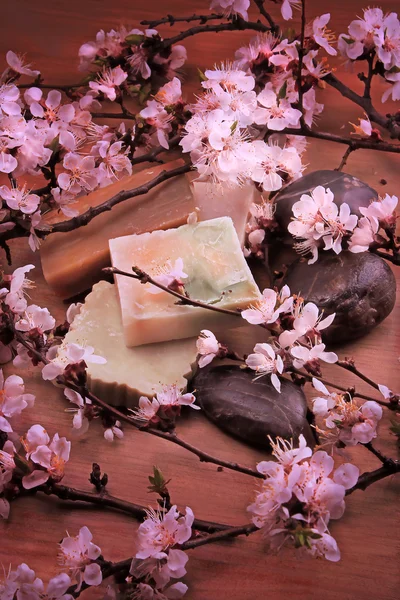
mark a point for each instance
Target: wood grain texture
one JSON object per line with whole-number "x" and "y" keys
{"x": 50, "y": 31}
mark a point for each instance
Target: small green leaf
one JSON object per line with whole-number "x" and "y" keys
{"x": 233, "y": 126}
{"x": 157, "y": 482}
{"x": 134, "y": 39}
{"x": 201, "y": 75}
{"x": 282, "y": 91}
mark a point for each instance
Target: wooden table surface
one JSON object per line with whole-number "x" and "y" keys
{"x": 50, "y": 31}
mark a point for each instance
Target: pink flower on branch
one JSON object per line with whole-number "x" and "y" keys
{"x": 108, "y": 82}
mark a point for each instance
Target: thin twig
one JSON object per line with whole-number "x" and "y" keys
{"x": 384, "y": 459}
{"x": 238, "y": 24}
{"x": 301, "y": 54}
{"x": 367, "y": 479}
{"x": 267, "y": 16}
{"x": 348, "y": 365}
{"x": 345, "y": 156}
{"x": 219, "y": 536}
{"x": 171, "y": 20}
{"x": 91, "y": 213}
{"x": 144, "y": 278}
{"x": 137, "y": 511}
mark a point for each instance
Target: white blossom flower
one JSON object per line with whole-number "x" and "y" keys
{"x": 361, "y": 34}
{"x": 268, "y": 309}
{"x": 271, "y": 161}
{"x": 207, "y": 347}
{"x": 364, "y": 129}
{"x": 58, "y": 586}
{"x": 81, "y": 176}
{"x": 20, "y": 199}
{"x": 231, "y": 7}
{"x": 383, "y": 210}
{"x": 394, "y": 89}
{"x": 108, "y": 81}
{"x": 78, "y": 554}
{"x": 16, "y": 63}
{"x": 15, "y": 299}
{"x": 68, "y": 354}
{"x": 264, "y": 46}
{"x": 286, "y": 8}
{"x": 37, "y": 318}
{"x": 159, "y": 532}
{"x": 321, "y": 35}
{"x": 265, "y": 361}
{"x": 276, "y": 114}
{"x": 80, "y": 422}
{"x": 228, "y": 76}
{"x": 308, "y": 322}
{"x": 363, "y": 235}
{"x": 22, "y": 584}
{"x": 13, "y": 399}
{"x": 113, "y": 431}
{"x": 310, "y": 357}
{"x": 52, "y": 457}
{"x": 171, "y": 395}
{"x": 9, "y": 95}
{"x": 168, "y": 274}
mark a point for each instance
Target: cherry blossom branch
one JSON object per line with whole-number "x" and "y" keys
{"x": 91, "y": 213}
{"x": 353, "y": 393}
{"x": 171, "y": 20}
{"x": 144, "y": 277}
{"x": 384, "y": 459}
{"x": 137, "y": 511}
{"x": 345, "y": 156}
{"x": 238, "y": 24}
{"x": 50, "y": 86}
{"x": 301, "y": 54}
{"x": 365, "y": 103}
{"x": 266, "y": 15}
{"x": 391, "y": 467}
{"x": 395, "y": 259}
{"x": 348, "y": 365}
{"x": 354, "y": 144}
{"x": 219, "y": 536}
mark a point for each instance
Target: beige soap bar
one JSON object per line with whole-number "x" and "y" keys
{"x": 72, "y": 261}
{"x": 217, "y": 272}
{"x": 222, "y": 201}
{"x": 129, "y": 372}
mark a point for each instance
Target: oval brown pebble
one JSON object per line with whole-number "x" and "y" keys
{"x": 359, "y": 288}
{"x": 251, "y": 409}
{"x": 345, "y": 188}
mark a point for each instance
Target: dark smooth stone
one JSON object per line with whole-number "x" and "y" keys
{"x": 252, "y": 409}
{"x": 359, "y": 288}
{"x": 345, "y": 188}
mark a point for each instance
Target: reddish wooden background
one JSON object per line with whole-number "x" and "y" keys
{"x": 50, "y": 31}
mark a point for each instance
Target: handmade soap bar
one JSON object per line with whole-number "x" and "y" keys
{"x": 72, "y": 261}
{"x": 217, "y": 273}
{"x": 221, "y": 201}
{"x": 129, "y": 372}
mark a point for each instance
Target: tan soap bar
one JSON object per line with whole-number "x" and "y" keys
{"x": 72, "y": 261}
{"x": 129, "y": 372}
{"x": 217, "y": 273}
{"x": 222, "y": 201}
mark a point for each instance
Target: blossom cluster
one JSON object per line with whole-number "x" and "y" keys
{"x": 376, "y": 34}
{"x": 318, "y": 220}
{"x": 32, "y": 462}
{"x": 22, "y": 584}
{"x": 136, "y": 53}
{"x": 299, "y": 497}
{"x": 345, "y": 421}
{"x": 158, "y": 558}
{"x": 164, "y": 407}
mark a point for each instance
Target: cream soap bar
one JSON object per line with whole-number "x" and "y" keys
{"x": 129, "y": 372}
{"x": 217, "y": 272}
{"x": 72, "y": 261}
{"x": 221, "y": 201}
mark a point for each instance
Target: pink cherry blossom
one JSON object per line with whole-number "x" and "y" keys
{"x": 63, "y": 200}
{"x": 363, "y": 235}
{"x": 321, "y": 35}
{"x": 394, "y": 89}
{"x": 362, "y": 34}
{"x": 58, "y": 586}
{"x": 308, "y": 321}
{"x": 271, "y": 161}
{"x": 168, "y": 275}
{"x": 263, "y": 46}
{"x": 15, "y": 299}
{"x": 20, "y": 199}
{"x": 207, "y": 346}
{"x": 276, "y": 114}
{"x": 35, "y": 317}
{"x": 231, "y": 7}
{"x": 59, "y": 116}
{"x": 170, "y": 93}
{"x": 66, "y": 354}
{"x": 52, "y": 457}
{"x": 310, "y": 357}
{"x": 13, "y": 399}
{"x": 22, "y": 584}
{"x": 265, "y": 361}
{"x": 114, "y": 431}
{"x": 159, "y": 532}
{"x": 80, "y": 422}
{"x": 228, "y": 77}
{"x": 171, "y": 395}
{"x": 160, "y": 119}
{"x": 36, "y": 222}
{"x": 114, "y": 162}
{"x": 9, "y": 96}
{"x": 81, "y": 176}
{"x": 383, "y": 210}
{"x": 286, "y": 8}
{"x": 108, "y": 82}
{"x": 268, "y": 309}
{"x": 147, "y": 409}
{"x": 16, "y": 63}
{"x": 78, "y": 554}
{"x": 364, "y": 129}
